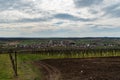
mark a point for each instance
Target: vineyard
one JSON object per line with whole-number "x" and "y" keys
{"x": 26, "y": 67}
{"x": 29, "y": 59}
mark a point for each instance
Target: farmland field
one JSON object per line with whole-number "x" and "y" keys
{"x": 55, "y": 57}
{"x": 80, "y": 69}
{"x": 29, "y": 69}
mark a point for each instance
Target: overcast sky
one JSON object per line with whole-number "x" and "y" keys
{"x": 59, "y": 18}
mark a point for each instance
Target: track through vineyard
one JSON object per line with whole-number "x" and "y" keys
{"x": 80, "y": 69}
{"x": 51, "y": 73}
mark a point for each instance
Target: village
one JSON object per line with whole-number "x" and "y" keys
{"x": 62, "y": 43}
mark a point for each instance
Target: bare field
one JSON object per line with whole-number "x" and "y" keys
{"x": 107, "y": 68}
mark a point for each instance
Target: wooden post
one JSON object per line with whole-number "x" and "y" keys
{"x": 13, "y": 59}
{"x": 16, "y": 63}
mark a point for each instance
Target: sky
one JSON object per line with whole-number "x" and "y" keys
{"x": 59, "y": 18}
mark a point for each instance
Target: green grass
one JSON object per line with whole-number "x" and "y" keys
{"x": 5, "y": 68}
{"x": 26, "y": 69}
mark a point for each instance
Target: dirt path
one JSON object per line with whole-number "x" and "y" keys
{"x": 49, "y": 72}
{"x": 81, "y": 69}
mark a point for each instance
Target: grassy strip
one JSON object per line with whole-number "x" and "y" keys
{"x": 5, "y": 68}
{"x": 25, "y": 69}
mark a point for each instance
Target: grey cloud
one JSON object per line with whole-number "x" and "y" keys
{"x": 14, "y": 4}
{"x": 103, "y": 28}
{"x": 93, "y": 11}
{"x": 86, "y": 3}
{"x": 100, "y": 26}
{"x": 59, "y": 23}
{"x": 25, "y": 20}
{"x": 22, "y": 6}
{"x": 65, "y": 16}
{"x": 6, "y": 21}
{"x": 70, "y": 17}
{"x": 5, "y": 4}
{"x": 112, "y": 10}
{"x": 32, "y": 20}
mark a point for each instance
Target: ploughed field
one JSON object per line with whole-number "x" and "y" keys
{"x": 80, "y": 69}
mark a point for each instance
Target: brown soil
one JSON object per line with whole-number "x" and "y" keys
{"x": 80, "y": 69}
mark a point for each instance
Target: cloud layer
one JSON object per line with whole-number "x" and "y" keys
{"x": 59, "y": 18}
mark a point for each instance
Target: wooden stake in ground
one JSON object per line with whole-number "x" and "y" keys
{"x": 13, "y": 59}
